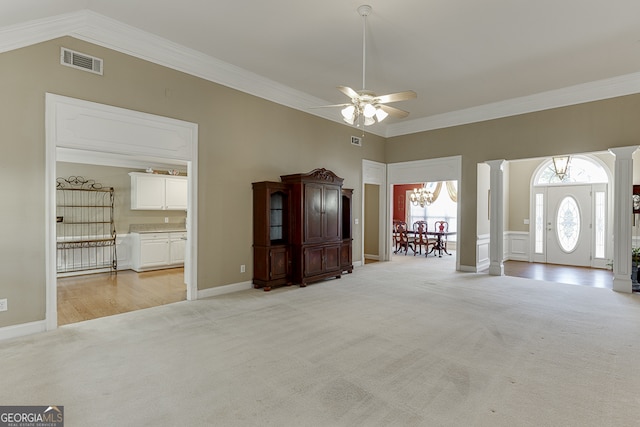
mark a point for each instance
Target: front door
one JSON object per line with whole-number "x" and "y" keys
{"x": 569, "y": 225}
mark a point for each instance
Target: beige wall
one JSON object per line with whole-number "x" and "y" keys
{"x": 242, "y": 139}
{"x": 584, "y": 128}
{"x": 520, "y": 193}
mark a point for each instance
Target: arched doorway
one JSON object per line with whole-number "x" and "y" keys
{"x": 570, "y": 213}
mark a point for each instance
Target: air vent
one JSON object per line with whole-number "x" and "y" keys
{"x": 356, "y": 140}
{"x": 80, "y": 61}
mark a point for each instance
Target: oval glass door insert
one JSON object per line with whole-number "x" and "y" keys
{"x": 568, "y": 224}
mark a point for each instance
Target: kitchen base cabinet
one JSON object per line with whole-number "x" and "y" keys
{"x": 154, "y": 251}
{"x": 177, "y": 248}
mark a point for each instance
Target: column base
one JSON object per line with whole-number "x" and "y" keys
{"x": 496, "y": 269}
{"x": 622, "y": 285}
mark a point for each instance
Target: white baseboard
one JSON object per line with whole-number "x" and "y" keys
{"x": 471, "y": 268}
{"x": 226, "y": 289}
{"x": 15, "y": 331}
{"x": 370, "y": 256}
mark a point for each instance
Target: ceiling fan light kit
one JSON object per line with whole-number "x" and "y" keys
{"x": 366, "y": 108}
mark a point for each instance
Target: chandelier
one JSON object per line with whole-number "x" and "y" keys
{"x": 560, "y": 166}
{"x": 421, "y": 196}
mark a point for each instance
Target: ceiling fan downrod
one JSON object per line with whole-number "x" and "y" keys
{"x": 364, "y": 11}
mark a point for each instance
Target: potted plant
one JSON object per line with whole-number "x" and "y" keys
{"x": 635, "y": 260}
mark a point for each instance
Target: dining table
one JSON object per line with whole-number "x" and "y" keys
{"x": 439, "y": 245}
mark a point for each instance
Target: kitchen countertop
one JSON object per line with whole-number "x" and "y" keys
{"x": 156, "y": 228}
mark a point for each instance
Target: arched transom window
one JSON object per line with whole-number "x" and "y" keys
{"x": 580, "y": 170}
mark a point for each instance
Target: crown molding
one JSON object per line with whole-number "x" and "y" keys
{"x": 103, "y": 31}
{"x": 41, "y": 30}
{"x": 571, "y": 95}
{"x": 112, "y": 34}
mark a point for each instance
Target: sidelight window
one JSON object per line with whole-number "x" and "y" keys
{"x": 539, "y": 215}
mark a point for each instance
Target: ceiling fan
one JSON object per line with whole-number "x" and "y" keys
{"x": 367, "y": 108}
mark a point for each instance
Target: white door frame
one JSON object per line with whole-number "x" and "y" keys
{"x": 77, "y": 127}
{"x": 535, "y": 188}
{"x": 375, "y": 173}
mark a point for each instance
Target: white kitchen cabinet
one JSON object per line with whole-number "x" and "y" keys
{"x": 153, "y": 251}
{"x": 158, "y": 192}
{"x": 175, "y": 191}
{"x": 178, "y": 245}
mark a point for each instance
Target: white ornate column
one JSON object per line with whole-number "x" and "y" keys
{"x": 496, "y": 221}
{"x": 622, "y": 212}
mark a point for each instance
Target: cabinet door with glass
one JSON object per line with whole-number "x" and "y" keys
{"x": 271, "y": 264}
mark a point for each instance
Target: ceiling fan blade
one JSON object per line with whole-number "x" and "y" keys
{"x": 395, "y": 97}
{"x": 333, "y": 105}
{"x": 395, "y": 112}
{"x": 348, "y": 91}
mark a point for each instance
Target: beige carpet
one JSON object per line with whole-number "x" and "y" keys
{"x": 404, "y": 343}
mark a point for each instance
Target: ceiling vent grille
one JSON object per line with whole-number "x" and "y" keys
{"x": 80, "y": 61}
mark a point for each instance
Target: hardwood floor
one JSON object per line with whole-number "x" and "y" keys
{"x": 98, "y": 295}
{"x": 560, "y": 273}
{"x": 583, "y": 276}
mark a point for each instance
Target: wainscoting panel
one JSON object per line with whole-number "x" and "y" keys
{"x": 482, "y": 252}
{"x": 518, "y": 245}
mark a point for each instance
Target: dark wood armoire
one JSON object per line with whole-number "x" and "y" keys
{"x": 316, "y": 225}
{"x": 271, "y": 251}
{"x": 346, "y": 252}
{"x": 315, "y": 243}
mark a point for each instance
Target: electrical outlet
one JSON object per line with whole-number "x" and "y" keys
{"x": 166, "y": 219}
{"x": 242, "y": 268}
{"x": 3, "y": 304}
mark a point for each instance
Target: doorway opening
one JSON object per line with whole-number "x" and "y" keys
{"x": 371, "y": 225}
{"x": 431, "y": 224}
{"x": 84, "y": 290}
{"x": 77, "y": 131}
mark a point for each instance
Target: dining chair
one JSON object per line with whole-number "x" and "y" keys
{"x": 420, "y": 238}
{"x": 403, "y": 239}
{"x": 443, "y": 227}
{"x": 396, "y": 235}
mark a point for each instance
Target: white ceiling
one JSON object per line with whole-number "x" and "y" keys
{"x": 459, "y": 56}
